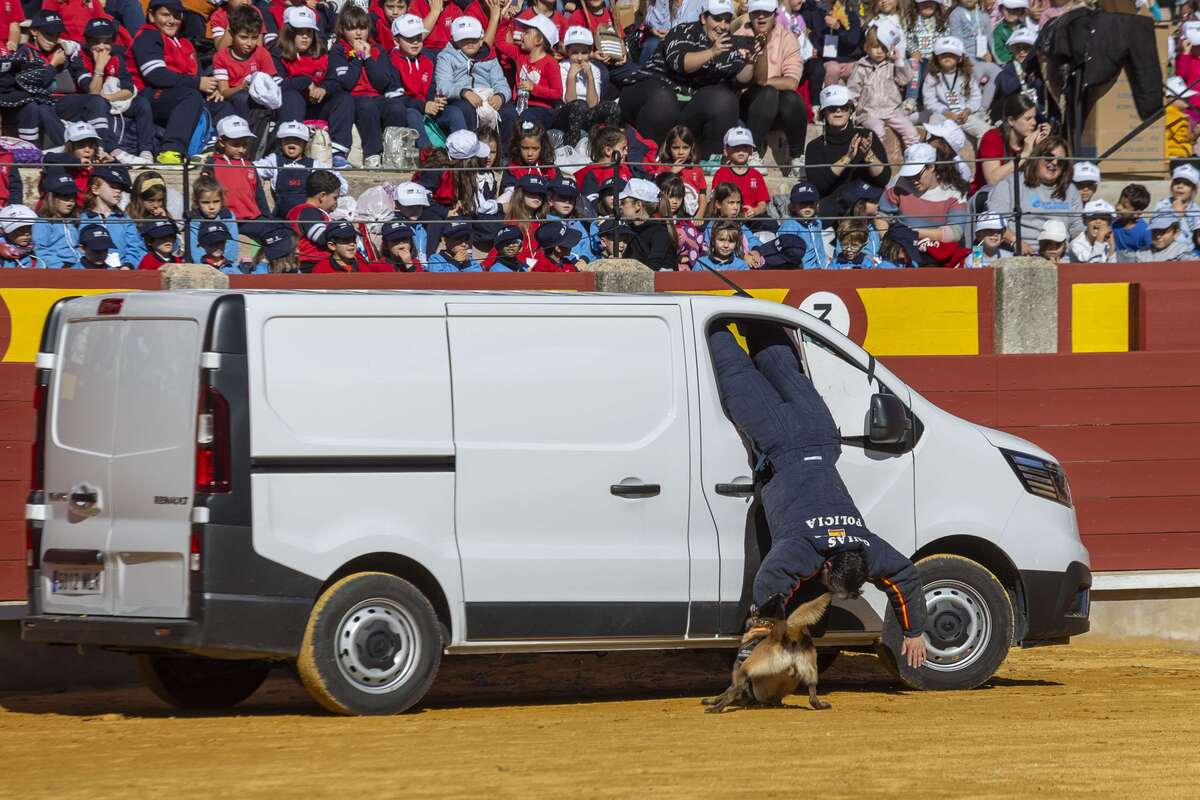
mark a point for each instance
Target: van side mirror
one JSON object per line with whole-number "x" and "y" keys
{"x": 889, "y": 420}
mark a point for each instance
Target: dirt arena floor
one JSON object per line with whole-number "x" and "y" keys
{"x": 1089, "y": 720}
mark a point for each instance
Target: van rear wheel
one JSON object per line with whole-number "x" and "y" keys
{"x": 201, "y": 683}
{"x": 968, "y": 630}
{"x": 373, "y": 645}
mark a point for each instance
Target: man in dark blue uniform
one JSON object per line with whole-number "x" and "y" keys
{"x": 817, "y": 532}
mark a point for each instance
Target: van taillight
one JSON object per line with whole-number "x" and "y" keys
{"x": 41, "y": 393}
{"x": 194, "y": 550}
{"x": 212, "y": 443}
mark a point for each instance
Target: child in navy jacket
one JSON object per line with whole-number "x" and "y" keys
{"x": 365, "y": 71}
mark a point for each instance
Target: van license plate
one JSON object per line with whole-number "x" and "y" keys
{"x": 74, "y": 581}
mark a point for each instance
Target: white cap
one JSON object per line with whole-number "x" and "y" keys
{"x": 739, "y": 137}
{"x": 1177, "y": 87}
{"x": 948, "y": 129}
{"x": 916, "y": 158}
{"x": 1085, "y": 172}
{"x": 1191, "y": 32}
{"x": 948, "y": 45}
{"x": 292, "y": 130}
{"x": 465, "y": 27}
{"x": 410, "y": 26}
{"x": 577, "y": 34}
{"x": 1053, "y": 231}
{"x": 411, "y": 194}
{"x": 80, "y": 132}
{"x": 989, "y": 222}
{"x": 640, "y": 189}
{"x": 234, "y": 127}
{"x": 300, "y": 17}
{"x": 16, "y": 216}
{"x": 835, "y": 95}
{"x": 1187, "y": 173}
{"x": 1022, "y": 34}
{"x": 717, "y": 7}
{"x": 544, "y": 26}
{"x": 762, "y": 5}
{"x": 1015, "y": 5}
{"x": 887, "y": 32}
{"x": 1098, "y": 208}
{"x": 465, "y": 144}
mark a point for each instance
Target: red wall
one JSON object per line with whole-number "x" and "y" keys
{"x": 1126, "y": 426}
{"x": 16, "y": 431}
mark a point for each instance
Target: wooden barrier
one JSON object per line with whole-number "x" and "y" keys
{"x": 1126, "y": 427}
{"x": 1122, "y": 307}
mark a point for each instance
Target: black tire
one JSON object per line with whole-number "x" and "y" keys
{"x": 970, "y": 624}
{"x": 825, "y": 658}
{"x": 373, "y": 646}
{"x": 201, "y": 684}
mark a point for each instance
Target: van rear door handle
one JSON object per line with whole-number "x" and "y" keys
{"x": 634, "y": 490}
{"x": 734, "y": 489}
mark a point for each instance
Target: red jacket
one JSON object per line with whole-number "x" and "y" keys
{"x": 439, "y": 37}
{"x": 544, "y": 74}
{"x": 152, "y": 261}
{"x": 544, "y": 264}
{"x": 239, "y": 179}
{"x": 312, "y": 68}
{"x": 309, "y": 226}
{"x": 178, "y": 55}
{"x": 416, "y": 74}
{"x": 586, "y": 19}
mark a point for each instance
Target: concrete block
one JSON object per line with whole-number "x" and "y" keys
{"x": 1166, "y": 614}
{"x": 192, "y": 276}
{"x": 1026, "y": 305}
{"x": 622, "y": 275}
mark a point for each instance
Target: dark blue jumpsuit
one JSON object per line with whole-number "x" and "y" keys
{"x": 810, "y": 513}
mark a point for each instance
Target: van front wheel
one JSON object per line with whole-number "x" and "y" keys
{"x": 373, "y": 645}
{"x": 968, "y": 630}
{"x": 201, "y": 683}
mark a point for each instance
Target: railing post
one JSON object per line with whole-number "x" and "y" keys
{"x": 1016, "y": 195}
{"x": 187, "y": 211}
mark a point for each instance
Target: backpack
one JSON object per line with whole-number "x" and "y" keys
{"x": 203, "y": 136}
{"x": 783, "y": 252}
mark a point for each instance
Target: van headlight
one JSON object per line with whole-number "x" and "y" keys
{"x": 1040, "y": 477}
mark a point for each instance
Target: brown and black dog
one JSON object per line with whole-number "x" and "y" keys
{"x": 778, "y": 663}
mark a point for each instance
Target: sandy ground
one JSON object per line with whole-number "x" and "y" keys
{"x": 1090, "y": 720}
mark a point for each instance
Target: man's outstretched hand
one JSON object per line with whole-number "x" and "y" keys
{"x": 913, "y": 650}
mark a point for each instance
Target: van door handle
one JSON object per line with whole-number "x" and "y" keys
{"x": 634, "y": 490}
{"x": 734, "y": 489}
{"x": 83, "y": 499}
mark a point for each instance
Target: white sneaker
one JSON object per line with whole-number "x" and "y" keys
{"x": 128, "y": 158}
{"x": 797, "y": 169}
{"x": 146, "y": 156}
{"x": 372, "y": 162}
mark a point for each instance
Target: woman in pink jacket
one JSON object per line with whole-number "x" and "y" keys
{"x": 771, "y": 102}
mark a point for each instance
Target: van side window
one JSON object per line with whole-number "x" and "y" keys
{"x": 842, "y": 383}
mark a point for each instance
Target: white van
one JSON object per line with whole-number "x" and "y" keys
{"x": 361, "y": 482}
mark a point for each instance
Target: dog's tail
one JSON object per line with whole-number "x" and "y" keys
{"x": 806, "y": 614}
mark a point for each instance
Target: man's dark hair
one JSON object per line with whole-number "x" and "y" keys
{"x": 321, "y": 181}
{"x": 1136, "y": 195}
{"x": 847, "y": 573}
{"x": 245, "y": 19}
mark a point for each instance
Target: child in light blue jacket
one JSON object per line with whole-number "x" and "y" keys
{"x": 804, "y": 222}
{"x": 56, "y": 238}
{"x": 460, "y": 72}
{"x": 16, "y": 223}
{"x": 724, "y": 248}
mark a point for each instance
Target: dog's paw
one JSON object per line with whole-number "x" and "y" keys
{"x": 714, "y": 709}
{"x": 819, "y": 705}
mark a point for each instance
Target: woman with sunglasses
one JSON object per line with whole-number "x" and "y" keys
{"x": 842, "y": 155}
{"x": 692, "y": 80}
{"x": 1046, "y": 193}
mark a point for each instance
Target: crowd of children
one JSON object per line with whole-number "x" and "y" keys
{"x": 528, "y": 160}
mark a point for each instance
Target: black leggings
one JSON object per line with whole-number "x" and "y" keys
{"x": 766, "y": 109}
{"x": 652, "y": 108}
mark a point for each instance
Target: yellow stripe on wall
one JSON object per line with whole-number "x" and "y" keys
{"x": 922, "y": 320}
{"x": 27, "y": 309}
{"x": 1099, "y": 317}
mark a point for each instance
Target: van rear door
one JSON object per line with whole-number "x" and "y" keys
{"x": 120, "y": 450}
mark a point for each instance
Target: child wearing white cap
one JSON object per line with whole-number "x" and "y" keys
{"x": 583, "y": 85}
{"x": 1095, "y": 244}
{"x": 1086, "y": 177}
{"x": 1014, "y": 77}
{"x": 950, "y": 89}
{"x": 1012, "y": 16}
{"x": 416, "y": 76}
{"x": 989, "y": 241}
{"x": 652, "y": 243}
{"x": 287, "y": 169}
{"x": 739, "y": 146}
{"x": 878, "y": 83}
{"x": 1052, "y": 241}
{"x": 536, "y": 73}
{"x": 1182, "y": 202}
{"x": 16, "y": 226}
{"x": 470, "y": 81}
{"x": 230, "y": 165}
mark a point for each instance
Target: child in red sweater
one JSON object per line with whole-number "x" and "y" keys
{"x": 416, "y": 75}
{"x": 739, "y": 144}
{"x": 244, "y": 195}
{"x": 161, "y": 237}
{"x": 236, "y": 65}
{"x": 539, "y": 79}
